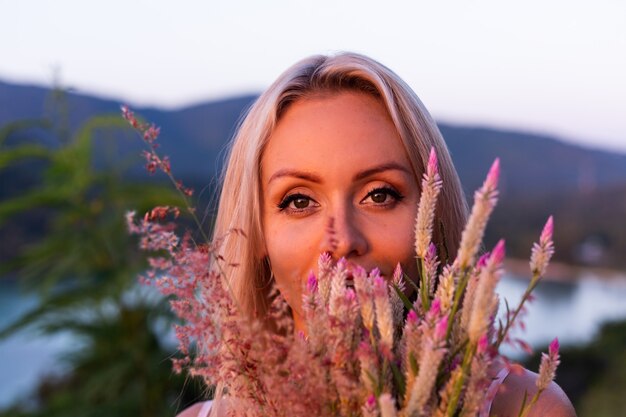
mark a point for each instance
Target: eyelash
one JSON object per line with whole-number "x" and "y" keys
{"x": 284, "y": 204}
{"x": 387, "y": 190}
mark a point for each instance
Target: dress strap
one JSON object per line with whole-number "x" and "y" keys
{"x": 206, "y": 408}
{"x": 492, "y": 391}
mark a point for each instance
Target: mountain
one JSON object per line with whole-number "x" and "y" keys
{"x": 531, "y": 164}
{"x": 541, "y": 175}
{"x": 195, "y": 139}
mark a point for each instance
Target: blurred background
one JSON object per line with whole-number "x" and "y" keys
{"x": 539, "y": 84}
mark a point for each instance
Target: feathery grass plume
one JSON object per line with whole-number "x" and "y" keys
{"x": 445, "y": 290}
{"x": 315, "y": 315}
{"x": 347, "y": 363}
{"x": 370, "y": 408}
{"x": 486, "y": 302}
{"x": 345, "y": 371}
{"x": 343, "y": 340}
{"x": 324, "y": 267}
{"x": 474, "y": 394}
{"x": 549, "y": 363}
{"x": 432, "y": 354}
{"x": 363, "y": 287}
{"x": 540, "y": 258}
{"x": 337, "y": 286}
{"x": 484, "y": 201}
{"x": 445, "y": 393}
{"x": 542, "y": 251}
{"x": 384, "y": 315}
{"x": 387, "y": 405}
{"x": 470, "y": 293}
{"x": 397, "y": 305}
{"x": 459, "y": 332}
{"x": 547, "y": 372}
{"x": 385, "y": 327}
{"x": 412, "y": 339}
{"x": 431, "y": 186}
{"x": 369, "y": 366}
{"x": 431, "y": 263}
{"x": 483, "y": 309}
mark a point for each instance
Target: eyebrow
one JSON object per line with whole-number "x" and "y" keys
{"x": 296, "y": 174}
{"x": 390, "y": 166}
{"x": 305, "y": 175}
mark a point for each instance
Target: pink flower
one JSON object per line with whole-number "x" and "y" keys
{"x": 384, "y": 316}
{"x": 483, "y": 344}
{"x": 166, "y": 165}
{"x": 431, "y": 186}
{"x": 441, "y": 328}
{"x": 546, "y": 233}
{"x": 311, "y": 284}
{"x": 129, "y": 116}
{"x": 547, "y": 368}
{"x": 343, "y": 359}
{"x": 485, "y": 200}
{"x": 494, "y": 175}
{"x": 435, "y": 308}
{"x": 497, "y": 254}
{"x": 482, "y": 261}
{"x": 432, "y": 167}
{"x": 553, "y": 349}
{"x": 151, "y": 133}
{"x": 542, "y": 252}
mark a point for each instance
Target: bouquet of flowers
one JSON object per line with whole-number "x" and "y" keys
{"x": 368, "y": 349}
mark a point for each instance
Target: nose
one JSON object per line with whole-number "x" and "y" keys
{"x": 343, "y": 238}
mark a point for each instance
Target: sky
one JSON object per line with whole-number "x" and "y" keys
{"x": 546, "y": 66}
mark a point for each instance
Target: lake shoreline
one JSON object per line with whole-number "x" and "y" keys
{"x": 562, "y": 272}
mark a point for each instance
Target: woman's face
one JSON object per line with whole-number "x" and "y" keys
{"x": 336, "y": 159}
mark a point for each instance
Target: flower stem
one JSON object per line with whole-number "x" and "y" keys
{"x": 458, "y": 294}
{"x": 458, "y": 386}
{"x": 510, "y": 320}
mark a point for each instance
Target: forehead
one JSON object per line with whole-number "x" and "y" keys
{"x": 333, "y": 133}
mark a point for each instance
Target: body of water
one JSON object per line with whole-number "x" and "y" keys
{"x": 573, "y": 312}
{"x": 27, "y": 355}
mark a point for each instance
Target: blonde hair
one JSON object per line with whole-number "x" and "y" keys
{"x": 240, "y": 200}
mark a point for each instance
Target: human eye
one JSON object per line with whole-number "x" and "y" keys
{"x": 297, "y": 202}
{"x": 382, "y": 196}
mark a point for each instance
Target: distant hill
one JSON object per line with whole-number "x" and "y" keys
{"x": 539, "y": 173}
{"x": 195, "y": 136}
{"x": 531, "y": 164}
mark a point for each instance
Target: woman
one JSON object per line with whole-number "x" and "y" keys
{"x": 339, "y": 144}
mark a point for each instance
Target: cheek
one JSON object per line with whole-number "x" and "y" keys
{"x": 293, "y": 253}
{"x": 397, "y": 243}
{"x": 400, "y": 249}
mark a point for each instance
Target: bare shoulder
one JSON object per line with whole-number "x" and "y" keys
{"x": 552, "y": 402}
{"x": 191, "y": 411}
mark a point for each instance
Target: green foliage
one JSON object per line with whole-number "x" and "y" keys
{"x": 121, "y": 370}
{"x": 83, "y": 268}
{"x": 86, "y": 250}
